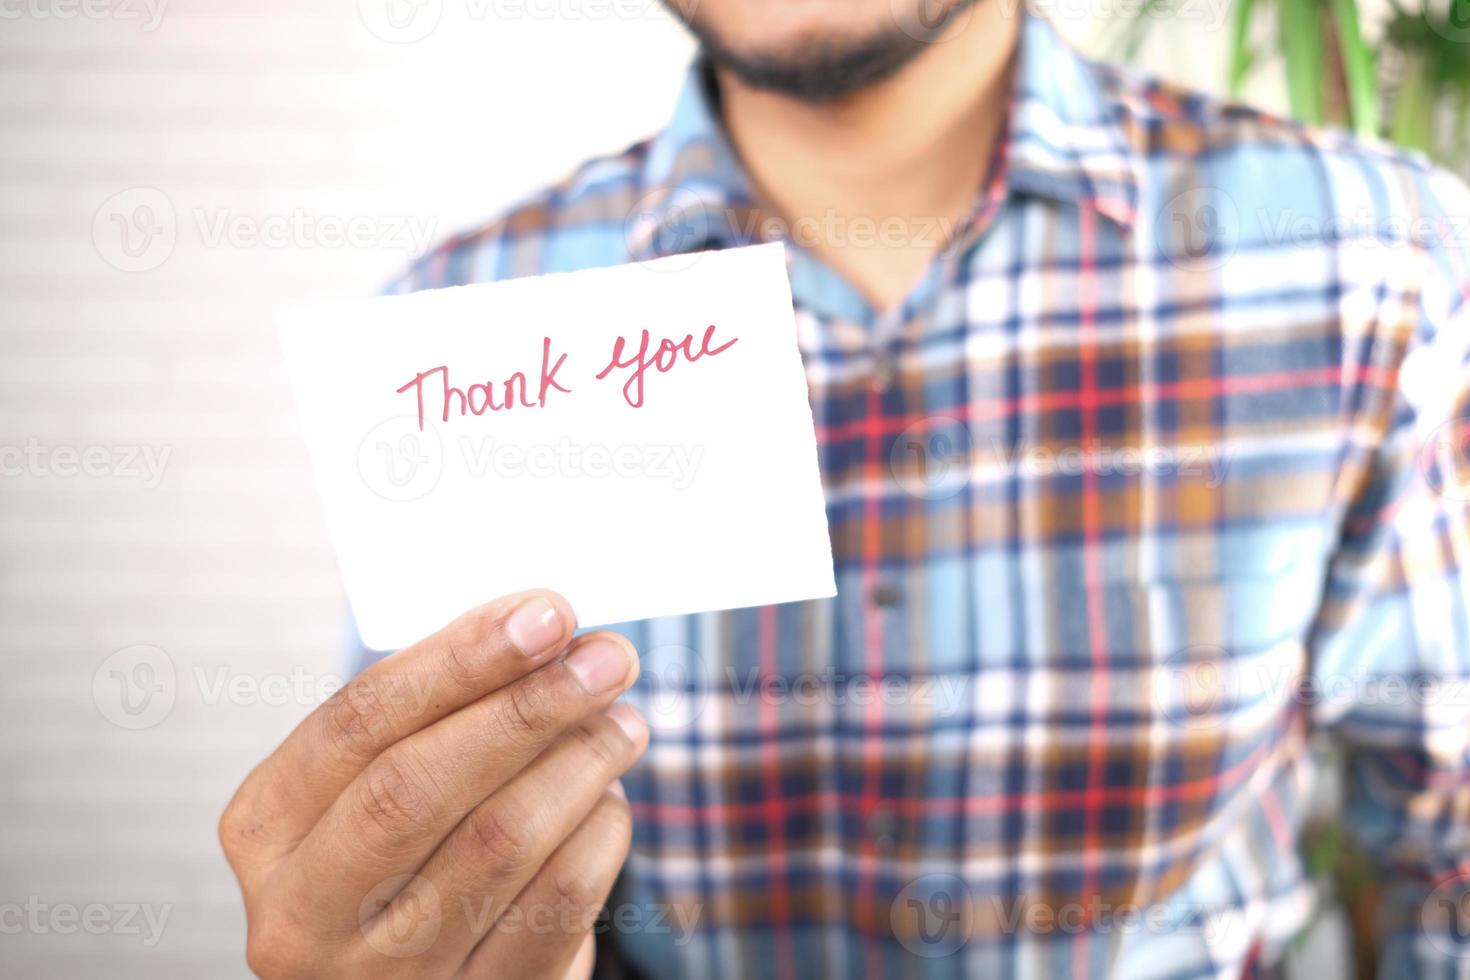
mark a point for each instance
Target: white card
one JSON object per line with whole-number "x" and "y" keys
{"x": 689, "y": 485}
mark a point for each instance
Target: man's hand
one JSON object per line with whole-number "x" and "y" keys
{"x": 453, "y": 811}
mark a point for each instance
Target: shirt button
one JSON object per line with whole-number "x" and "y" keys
{"x": 886, "y": 595}
{"x": 883, "y": 825}
{"x": 885, "y": 371}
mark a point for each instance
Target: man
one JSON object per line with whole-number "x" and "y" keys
{"x": 1139, "y": 417}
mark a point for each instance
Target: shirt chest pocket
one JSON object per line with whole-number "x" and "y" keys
{"x": 1149, "y": 663}
{"x": 1207, "y": 658}
{"x": 1150, "y": 712}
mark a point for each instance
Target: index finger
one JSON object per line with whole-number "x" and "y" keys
{"x": 482, "y": 651}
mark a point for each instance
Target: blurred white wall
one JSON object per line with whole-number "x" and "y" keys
{"x": 249, "y": 136}
{"x": 171, "y": 173}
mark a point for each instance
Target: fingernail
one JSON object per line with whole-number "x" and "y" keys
{"x": 629, "y": 720}
{"x": 598, "y": 665}
{"x": 616, "y": 789}
{"x": 534, "y": 626}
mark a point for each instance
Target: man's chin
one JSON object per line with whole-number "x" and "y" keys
{"x": 819, "y": 68}
{"x": 820, "y": 73}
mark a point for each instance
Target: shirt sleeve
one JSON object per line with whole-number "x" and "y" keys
{"x": 1390, "y": 651}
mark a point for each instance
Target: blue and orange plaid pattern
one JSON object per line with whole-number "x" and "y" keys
{"x": 1159, "y": 470}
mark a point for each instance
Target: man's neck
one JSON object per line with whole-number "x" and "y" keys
{"x": 872, "y": 182}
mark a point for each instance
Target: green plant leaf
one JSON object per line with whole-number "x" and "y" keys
{"x": 1413, "y": 109}
{"x": 1142, "y": 23}
{"x": 1357, "y": 63}
{"x": 1456, "y": 148}
{"x": 1301, "y": 47}
{"x": 1241, "y": 55}
{"x": 1121, "y": 37}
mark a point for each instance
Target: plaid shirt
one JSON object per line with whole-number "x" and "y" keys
{"x": 1152, "y": 475}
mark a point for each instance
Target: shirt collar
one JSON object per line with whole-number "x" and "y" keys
{"x": 692, "y": 177}
{"x": 1069, "y": 128}
{"x": 1067, "y": 140}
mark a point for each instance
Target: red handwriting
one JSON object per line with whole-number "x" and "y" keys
{"x": 514, "y": 392}
{"x": 663, "y": 359}
{"x": 478, "y": 399}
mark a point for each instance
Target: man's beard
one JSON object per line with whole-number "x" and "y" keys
{"x": 824, "y": 70}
